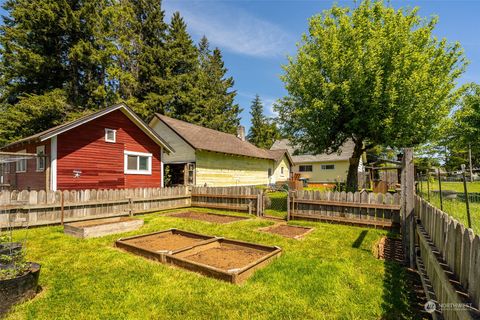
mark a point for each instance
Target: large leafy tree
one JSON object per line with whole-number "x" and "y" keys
{"x": 374, "y": 75}
{"x": 462, "y": 131}
{"x": 263, "y": 131}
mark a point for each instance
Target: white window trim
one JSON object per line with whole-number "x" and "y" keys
{"x": 323, "y": 166}
{"x": 24, "y": 160}
{"x": 40, "y": 149}
{"x": 114, "y": 135}
{"x": 305, "y": 165}
{"x": 142, "y": 154}
{"x": 53, "y": 163}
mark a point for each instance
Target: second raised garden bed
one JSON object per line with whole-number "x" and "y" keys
{"x": 102, "y": 227}
{"x": 224, "y": 259}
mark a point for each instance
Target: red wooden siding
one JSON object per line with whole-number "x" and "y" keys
{"x": 31, "y": 179}
{"x": 102, "y": 163}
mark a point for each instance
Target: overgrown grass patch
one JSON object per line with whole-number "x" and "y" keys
{"x": 322, "y": 276}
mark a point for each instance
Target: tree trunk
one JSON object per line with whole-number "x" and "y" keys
{"x": 352, "y": 177}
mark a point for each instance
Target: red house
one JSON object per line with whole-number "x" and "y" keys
{"x": 110, "y": 149}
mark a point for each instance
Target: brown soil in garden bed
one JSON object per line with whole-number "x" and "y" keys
{"x": 227, "y": 256}
{"x": 164, "y": 241}
{"x": 209, "y": 217}
{"x": 288, "y": 231}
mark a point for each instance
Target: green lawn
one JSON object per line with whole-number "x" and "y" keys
{"x": 454, "y": 186}
{"x": 329, "y": 274}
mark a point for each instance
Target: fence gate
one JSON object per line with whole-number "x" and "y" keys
{"x": 275, "y": 204}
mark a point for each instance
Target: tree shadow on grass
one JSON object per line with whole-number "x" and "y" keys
{"x": 403, "y": 296}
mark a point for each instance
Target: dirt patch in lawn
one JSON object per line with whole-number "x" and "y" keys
{"x": 227, "y": 256}
{"x": 164, "y": 241}
{"x": 208, "y": 217}
{"x": 284, "y": 230}
{"x": 390, "y": 249}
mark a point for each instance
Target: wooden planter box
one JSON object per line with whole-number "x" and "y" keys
{"x": 155, "y": 245}
{"x": 102, "y": 227}
{"x": 229, "y": 260}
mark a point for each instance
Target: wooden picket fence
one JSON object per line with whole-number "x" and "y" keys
{"x": 359, "y": 208}
{"x": 230, "y": 198}
{"x": 450, "y": 257}
{"x": 35, "y": 208}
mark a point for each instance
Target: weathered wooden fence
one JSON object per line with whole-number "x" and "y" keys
{"x": 40, "y": 208}
{"x": 231, "y": 198}
{"x": 359, "y": 208}
{"x": 450, "y": 257}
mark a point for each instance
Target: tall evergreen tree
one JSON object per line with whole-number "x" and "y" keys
{"x": 151, "y": 54}
{"x": 87, "y": 54}
{"x": 33, "y": 48}
{"x": 174, "y": 92}
{"x": 263, "y": 131}
{"x": 47, "y": 45}
{"x": 215, "y": 107}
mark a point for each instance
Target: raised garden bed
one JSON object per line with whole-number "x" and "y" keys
{"x": 208, "y": 217}
{"x": 284, "y": 230}
{"x": 155, "y": 245}
{"x": 220, "y": 258}
{"x": 19, "y": 289}
{"x": 102, "y": 227}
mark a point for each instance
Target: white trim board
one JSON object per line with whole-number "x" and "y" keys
{"x": 53, "y": 163}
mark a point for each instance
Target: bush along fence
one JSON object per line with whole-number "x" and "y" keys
{"x": 359, "y": 208}
{"x": 35, "y": 208}
{"x": 248, "y": 199}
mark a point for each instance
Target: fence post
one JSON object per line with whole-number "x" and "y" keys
{"x": 62, "y": 209}
{"x": 428, "y": 185}
{"x": 440, "y": 188}
{"x": 465, "y": 191}
{"x": 288, "y": 205}
{"x": 408, "y": 199}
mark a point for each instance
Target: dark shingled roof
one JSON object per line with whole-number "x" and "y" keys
{"x": 343, "y": 154}
{"x": 212, "y": 140}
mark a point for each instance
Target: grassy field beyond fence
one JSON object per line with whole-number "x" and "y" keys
{"x": 455, "y": 207}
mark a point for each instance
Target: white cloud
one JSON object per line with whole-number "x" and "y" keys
{"x": 232, "y": 28}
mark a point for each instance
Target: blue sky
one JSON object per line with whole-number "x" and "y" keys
{"x": 256, "y": 36}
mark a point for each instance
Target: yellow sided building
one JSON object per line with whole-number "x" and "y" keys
{"x": 206, "y": 157}
{"x": 321, "y": 168}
